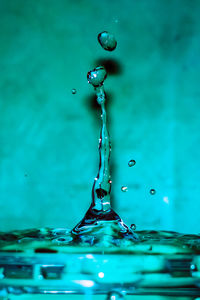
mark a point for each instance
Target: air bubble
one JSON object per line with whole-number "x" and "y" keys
{"x": 133, "y": 226}
{"x": 152, "y": 191}
{"x": 131, "y": 163}
{"x": 124, "y": 189}
{"x": 107, "y": 41}
{"x": 74, "y": 91}
{"x": 97, "y": 76}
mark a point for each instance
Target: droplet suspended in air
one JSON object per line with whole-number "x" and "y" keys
{"x": 131, "y": 163}
{"x": 133, "y": 226}
{"x": 97, "y": 76}
{"x": 152, "y": 191}
{"x": 124, "y": 189}
{"x": 107, "y": 41}
{"x": 74, "y": 91}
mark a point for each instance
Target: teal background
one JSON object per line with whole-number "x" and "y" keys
{"x": 49, "y": 137}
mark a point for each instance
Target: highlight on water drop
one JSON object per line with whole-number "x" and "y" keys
{"x": 107, "y": 41}
{"x": 124, "y": 188}
{"x": 152, "y": 191}
{"x": 131, "y": 163}
{"x": 97, "y": 76}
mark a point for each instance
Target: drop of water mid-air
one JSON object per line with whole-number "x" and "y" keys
{"x": 97, "y": 76}
{"x": 101, "y": 225}
{"x": 124, "y": 189}
{"x": 131, "y": 163}
{"x": 152, "y": 191}
{"x": 74, "y": 91}
{"x": 107, "y": 41}
{"x": 133, "y": 226}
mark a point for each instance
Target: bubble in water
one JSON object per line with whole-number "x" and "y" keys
{"x": 124, "y": 189}
{"x": 73, "y": 91}
{"x": 133, "y": 226}
{"x": 152, "y": 191}
{"x": 107, "y": 41}
{"x": 131, "y": 163}
{"x": 97, "y": 76}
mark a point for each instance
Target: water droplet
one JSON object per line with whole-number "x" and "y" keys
{"x": 107, "y": 41}
{"x": 133, "y": 226}
{"x": 97, "y": 76}
{"x": 152, "y": 191}
{"x": 193, "y": 267}
{"x": 124, "y": 189}
{"x": 131, "y": 163}
{"x": 74, "y": 91}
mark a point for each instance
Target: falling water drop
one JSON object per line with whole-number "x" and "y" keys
{"x": 107, "y": 41}
{"x": 152, "y": 191}
{"x": 124, "y": 189}
{"x": 97, "y": 76}
{"x": 131, "y": 163}
{"x": 133, "y": 226}
{"x": 74, "y": 91}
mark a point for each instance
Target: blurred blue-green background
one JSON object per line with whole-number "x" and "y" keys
{"x": 49, "y": 136}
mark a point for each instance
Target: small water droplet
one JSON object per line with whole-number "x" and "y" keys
{"x": 107, "y": 41}
{"x": 131, "y": 163}
{"x": 152, "y": 191}
{"x": 193, "y": 267}
{"x": 124, "y": 189}
{"x": 133, "y": 226}
{"x": 74, "y": 91}
{"x": 97, "y": 76}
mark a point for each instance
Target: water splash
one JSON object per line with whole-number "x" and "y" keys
{"x": 101, "y": 219}
{"x": 50, "y": 240}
